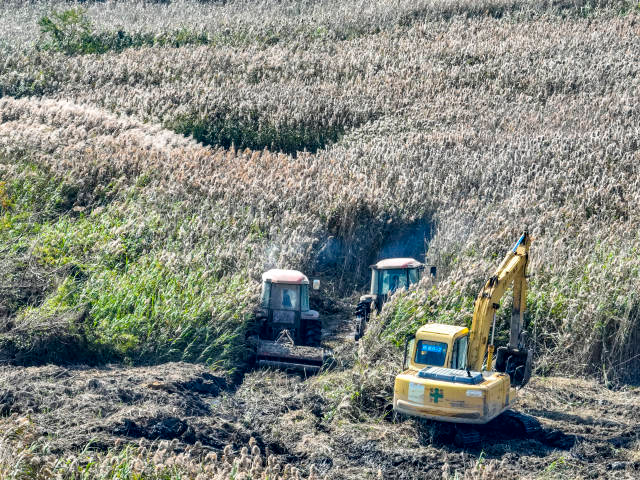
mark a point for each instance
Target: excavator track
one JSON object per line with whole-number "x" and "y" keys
{"x": 466, "y": 437}
{"x": 520, "y": 423}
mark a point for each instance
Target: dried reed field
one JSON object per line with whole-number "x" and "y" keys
{"x": 157, "y": 157}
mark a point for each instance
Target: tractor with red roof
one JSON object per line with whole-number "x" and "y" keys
{"x": 287, "y": 334}
{"x": 387, "y": 276}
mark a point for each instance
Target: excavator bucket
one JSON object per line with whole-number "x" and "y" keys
{"x": 516, "y": 362}
{"x": 287, "y": 356}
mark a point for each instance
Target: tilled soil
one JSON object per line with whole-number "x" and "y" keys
{"x": 589, "y": 431}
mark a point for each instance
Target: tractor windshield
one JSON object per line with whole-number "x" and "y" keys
{"x": 414, "y": 275}
{"x": 392, "y": 280}
{"x": 285, "y": 297}
{"x": 431, "y": 353}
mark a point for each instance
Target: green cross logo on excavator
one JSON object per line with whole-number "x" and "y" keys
{"x": 436, "y": 394}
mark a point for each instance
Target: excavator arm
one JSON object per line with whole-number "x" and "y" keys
{"x": 513, "y": 359}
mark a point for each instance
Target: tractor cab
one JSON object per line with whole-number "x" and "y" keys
{"x": 285, "y": 306}
{"x": 387, "y": 276}
{"x": 392, "y": 274}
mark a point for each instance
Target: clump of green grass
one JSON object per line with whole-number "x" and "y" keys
{"x": 556, "y": 132}
{"x": 242, "y": 130}
{"x": 72, "y": 32}
{"x": 557, "y": 313}
{"x": 148, "y": 312}
{"x": 411, "y": 309}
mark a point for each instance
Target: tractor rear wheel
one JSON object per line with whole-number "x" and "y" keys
{"x": 252, "y": 338}
{"x": 313, "y": 334}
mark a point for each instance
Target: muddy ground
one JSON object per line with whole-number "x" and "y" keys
{"x": 589, "y": 431}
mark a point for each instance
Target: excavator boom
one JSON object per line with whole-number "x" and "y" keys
{"x": 512, "y": 271}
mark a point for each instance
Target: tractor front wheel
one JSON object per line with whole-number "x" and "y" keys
{"x": 361, "y": 325}
{"x": 363, "y": 310}
{"x": 313, "y": 336}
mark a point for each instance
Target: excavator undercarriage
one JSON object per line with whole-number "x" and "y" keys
{"x": 510, "y": 424}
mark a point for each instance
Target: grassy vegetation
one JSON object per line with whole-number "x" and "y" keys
{"x": 557, "y": 307}
{"x": 150, "y": 244}
{"x": 241, "y": 130}
{"x": 109, "y": 284}
{"x": 431, "y": 120}
{"x": 72, "y": 32}
{"x": 145, "y": 461}
{"x": 157, "y": 157}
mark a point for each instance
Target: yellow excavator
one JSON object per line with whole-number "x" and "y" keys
{"x": 446, "y": 377}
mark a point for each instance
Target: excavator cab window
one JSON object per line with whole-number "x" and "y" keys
{"x": 431, "y": 353}
{"x": 459, "y": 354}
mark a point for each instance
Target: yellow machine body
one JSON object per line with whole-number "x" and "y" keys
{"x": 448, "y": 399}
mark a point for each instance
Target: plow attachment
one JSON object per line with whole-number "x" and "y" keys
{"x": 289, "y": 357}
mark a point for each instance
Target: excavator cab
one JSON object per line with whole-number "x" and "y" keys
{"x": 387, "y": 276}
{"x": 437, "y": 345}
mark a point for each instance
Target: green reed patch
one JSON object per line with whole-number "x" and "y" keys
{"x": 71, "y": 32}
